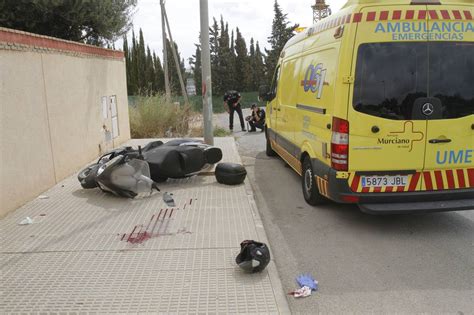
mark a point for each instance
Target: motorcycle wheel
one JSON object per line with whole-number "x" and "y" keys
{"x": 87, "y": 176}
{"x": 212, "y": 155}
{"x": 160, "y": 179}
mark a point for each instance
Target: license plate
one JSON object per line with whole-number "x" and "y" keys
{"x": 382, "y": 181}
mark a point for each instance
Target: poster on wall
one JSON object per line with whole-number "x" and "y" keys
{"x": 105, "y": 111}
{"x": 115, "y": 127}
{"x": 114, "y": 112}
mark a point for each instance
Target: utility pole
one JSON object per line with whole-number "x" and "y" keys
{"x": 206, "y": 73}
{"x": 165, "y": 53}
{"x": 176, "y": 60}
{"x": 321, "y": 10}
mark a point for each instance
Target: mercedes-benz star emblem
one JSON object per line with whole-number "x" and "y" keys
{"x": 427, "y": 109}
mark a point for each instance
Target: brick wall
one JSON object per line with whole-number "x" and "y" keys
{"x": 19, "y": 40}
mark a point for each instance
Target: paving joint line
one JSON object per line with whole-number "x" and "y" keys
{"x": 118, "y": 250}
{"x": 272, "y": 271}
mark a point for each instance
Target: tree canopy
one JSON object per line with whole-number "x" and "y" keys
{"x": 96, "y": 22}
{"x": 238, "y": 64}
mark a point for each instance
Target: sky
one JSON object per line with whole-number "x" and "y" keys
{"x": 253, "y": 17}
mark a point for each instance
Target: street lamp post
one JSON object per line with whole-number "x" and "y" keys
{"x": 206, "y": 74}
{"x": 165, "y": 53}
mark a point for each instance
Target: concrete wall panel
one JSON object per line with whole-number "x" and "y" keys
{"x": 51, "y": 111}
{"x": 74, "y": 93}
{"x": 27, "y": 167}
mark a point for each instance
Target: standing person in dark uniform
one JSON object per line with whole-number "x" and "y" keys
{"x": 257, "y": 119}
{"x": 231, "y": 104}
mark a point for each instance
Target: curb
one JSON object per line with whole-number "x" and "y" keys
{"x": 275, "y": 280}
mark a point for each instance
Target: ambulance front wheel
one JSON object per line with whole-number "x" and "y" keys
{"x": 269, "y": 151}
{"x": 310, "y": 189}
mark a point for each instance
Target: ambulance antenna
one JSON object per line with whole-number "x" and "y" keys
{"x": 321, "y": 10}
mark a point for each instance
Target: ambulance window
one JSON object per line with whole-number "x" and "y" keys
{"x": 276, "y": 79}
{"x": 451, "y": 77}
{"x": 389, "y": 78}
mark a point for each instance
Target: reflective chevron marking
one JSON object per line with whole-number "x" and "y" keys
{"x": 431, "y": 180}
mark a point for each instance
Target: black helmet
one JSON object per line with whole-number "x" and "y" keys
{"x": 253, "y": 257}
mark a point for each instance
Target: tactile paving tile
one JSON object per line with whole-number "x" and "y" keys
{"x": 75, "y": 256}
{"x": 76, "y": 219}
{"x": 191, "y": 281}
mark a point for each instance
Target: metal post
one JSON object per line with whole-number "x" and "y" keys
{"x": 206, "y": 74}
{"x": 165, "y": 53}
{"x": 176, "y": 60}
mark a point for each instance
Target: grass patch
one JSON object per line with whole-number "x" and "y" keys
{"x": 248, "y": 98}
{"x": 153, "y": 117}
{"x": 218, "y": 132}
{"x": 221, "y": 132}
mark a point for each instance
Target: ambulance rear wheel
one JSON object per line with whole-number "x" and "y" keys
{"x": 269, "y": 151}
{"x": 310, "y": 189}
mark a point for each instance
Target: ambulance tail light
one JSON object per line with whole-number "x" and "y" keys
{"x": 340, "y": 144}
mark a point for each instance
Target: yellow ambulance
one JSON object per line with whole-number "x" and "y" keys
{"x": 374, "y": 106}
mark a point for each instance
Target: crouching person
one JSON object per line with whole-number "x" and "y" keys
{"x": 257, "y": 119}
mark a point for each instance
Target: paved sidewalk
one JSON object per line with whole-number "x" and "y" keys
{"x": 83, "y": 253}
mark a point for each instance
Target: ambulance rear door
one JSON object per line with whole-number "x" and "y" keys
{"x": 390, "y": 72}
{"x": 449, "y": 108}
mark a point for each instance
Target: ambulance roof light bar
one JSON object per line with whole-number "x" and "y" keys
{"x": 432, "y": 2}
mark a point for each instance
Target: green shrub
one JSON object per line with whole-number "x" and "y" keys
{"x": 153, "y": 117}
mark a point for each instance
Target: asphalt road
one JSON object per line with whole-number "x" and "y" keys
{"x": 364, "y": 264}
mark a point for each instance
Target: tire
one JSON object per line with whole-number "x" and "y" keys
{"x": 160, "y": 179}
{"x": 310, "y": 189}
{"x": 230, "y": 173}
{"x": 87, "y": 176}
{"x": 212, "y": 155}
{"x": 269, "y": 151}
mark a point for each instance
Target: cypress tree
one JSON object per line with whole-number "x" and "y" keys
{"x": 233, "y": 78}
{"x": 214, "y": 50}
{"x": 149, "y": 73}
{"x": 252, "y": 62}
{"x": 173, "y": 73}
{"x": 159, "y": 75}
{"x": 134, "y": 67}
{"x": 242, "y": 68}
{"x": 126, "y": 52}
{"x": 281, "y": 33}
{"x": 226, "y": 67}
{"x": 232, "y": 66}
{"x": 259, "y": 74}
{"x": 141, "y": 64}
{"x": 195, "y": 62}
{"x": 144, "y": 70}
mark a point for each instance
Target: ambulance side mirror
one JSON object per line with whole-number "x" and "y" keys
{"x": 264, "y": 93}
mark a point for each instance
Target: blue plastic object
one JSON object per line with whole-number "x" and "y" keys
{"x": 308, "y": 281}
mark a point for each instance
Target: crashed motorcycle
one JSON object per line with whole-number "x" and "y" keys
{"x": 127, "y": 172}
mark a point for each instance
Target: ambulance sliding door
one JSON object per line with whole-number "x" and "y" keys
{"x": 287, "y": 94}
{"x": 316, "y": 98}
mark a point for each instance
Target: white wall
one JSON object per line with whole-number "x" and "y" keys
{"x": 51, "y": 117}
